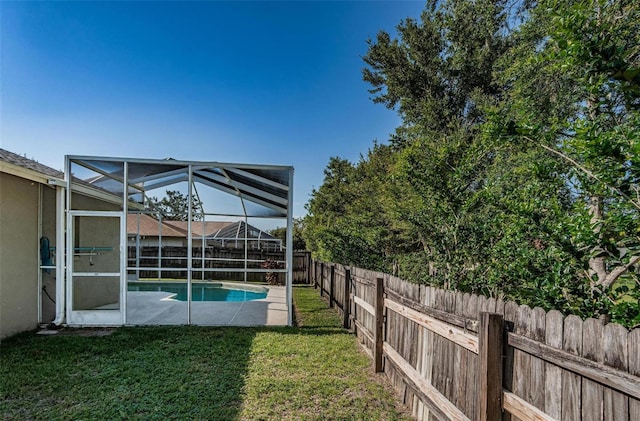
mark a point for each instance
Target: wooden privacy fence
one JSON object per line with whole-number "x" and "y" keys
{"x": 149, "y": 258}
{"x": 461, "y": 356}
{"x": 301, "y": 267}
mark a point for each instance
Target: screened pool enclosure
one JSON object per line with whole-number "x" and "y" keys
{"x": 174, "y": 242}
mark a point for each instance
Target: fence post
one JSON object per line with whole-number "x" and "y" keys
{"x": 379, "y": 307}
{"x": 490, "y": 335}
{"x": 332, "y": 284}
{"x": 308, "y": 268}
{"x": 321, "y": 279}
{"x": 346, "y": 306}
{"x": 315, "y": 274}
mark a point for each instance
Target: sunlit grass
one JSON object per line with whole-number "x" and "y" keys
{"x": 314, "y": 371}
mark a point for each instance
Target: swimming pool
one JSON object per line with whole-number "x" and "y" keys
{"x": 215, "y": 291}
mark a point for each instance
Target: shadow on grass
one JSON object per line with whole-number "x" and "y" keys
{"x": 178, "y": 372}
{"x": 306, "y": 330}
{"x": 144, "y": 373}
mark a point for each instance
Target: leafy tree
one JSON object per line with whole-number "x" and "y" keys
{"x": 406, "y": 207}
{"x": 599, "y": 46}
{"x": 589, "y": 121}
{"x": 440, "y": 68}
{"x": 298, "y": 240}
{"x": 439, "y": 76}
{"x": 175, "y": 206}
{"x": 326, "y": 206}
{"x": 515, "y": 170}
{"x": 347, "y": 217}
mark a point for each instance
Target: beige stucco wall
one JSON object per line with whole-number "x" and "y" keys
{"x": 92, "y": 292}
{"x": 80, "y": 202}
{"x": 18, "y": 254}
{"x": 20, "y": 257}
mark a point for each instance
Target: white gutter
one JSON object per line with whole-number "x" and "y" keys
{"x": 60, "y": 252}
{"x": 39, "y": 260}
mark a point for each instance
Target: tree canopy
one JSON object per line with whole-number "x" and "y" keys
{"x": 298, "y": 240}
{"x": 175, "y": 206}
{"x": 515, "y": 170}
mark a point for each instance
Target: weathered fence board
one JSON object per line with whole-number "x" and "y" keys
{"x": 489, "y": 387}
{"x": 633, "y": 345}
{"x": 510, "y": 316}
{"x": 301, "y": 267}
{"x": 537, "y": 379}
{"x": 523, "y": 409}
{"x": 617, "y": 379}
{"x": 461, "y": 362}
{"x": 453, "y": 334}
{"x": 616, "y": 404}
{"x": 425, "y": 363}
{"x": 592, "y": 391}
{"x": 440, "y": 402}
{"x": 470, "y": 312}
{"x": 553, "y": 373}
{"x": 441, "y": 352}
{"x": 364, "y": 305}
{"x": 571, "y": 383}
{"x": 552, "y": 367}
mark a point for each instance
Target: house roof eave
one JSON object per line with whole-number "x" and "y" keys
{"x": 29, "y": 174}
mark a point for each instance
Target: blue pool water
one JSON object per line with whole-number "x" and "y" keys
{"x": 200, "y": 291}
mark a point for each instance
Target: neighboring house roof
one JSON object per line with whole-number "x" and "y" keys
{"x": 21, "y": 166}
{"x": 209, "y": 228}
{"x": 237, "y": 230}
{"x": 148, "y": 226}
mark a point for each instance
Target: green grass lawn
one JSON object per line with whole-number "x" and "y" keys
{"x": 313, "y": 371}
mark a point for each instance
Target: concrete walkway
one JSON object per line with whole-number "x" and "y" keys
{"x": 157, "y": 308}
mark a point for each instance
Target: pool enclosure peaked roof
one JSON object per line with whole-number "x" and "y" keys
{"x": 267, "y": 186}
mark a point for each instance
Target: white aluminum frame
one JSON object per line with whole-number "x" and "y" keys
{"x": 192, "y": 172}
{"x": 95, "y": 317}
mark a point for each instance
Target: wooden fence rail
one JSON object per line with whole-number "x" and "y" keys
{"x": 459, "y": 356}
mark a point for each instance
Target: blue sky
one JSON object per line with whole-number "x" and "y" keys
{"x": 251, "y": 82}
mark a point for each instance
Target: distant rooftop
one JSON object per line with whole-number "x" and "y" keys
{"x": 148, "y": 226}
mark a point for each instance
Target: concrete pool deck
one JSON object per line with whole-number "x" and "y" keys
{"x": 157, "y": 308}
